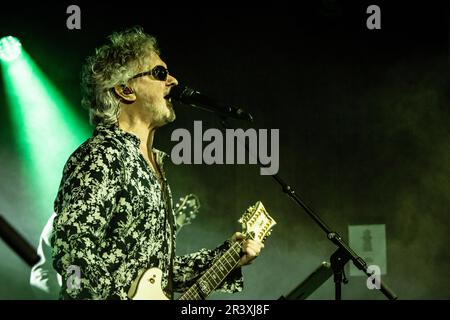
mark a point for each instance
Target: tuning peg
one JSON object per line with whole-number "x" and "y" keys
{"x": 267, "y": 234}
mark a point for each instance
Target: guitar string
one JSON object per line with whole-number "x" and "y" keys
{"x": 193, "y": 288}
{"x": 236, "y": 246}
{"x": 212, "y": 272}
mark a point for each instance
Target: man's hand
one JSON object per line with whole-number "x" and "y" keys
{"x": 250, "y": 248}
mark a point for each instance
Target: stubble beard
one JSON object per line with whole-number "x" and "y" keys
{"x": 168, "y": 115}
{"x": 171, "y": 116}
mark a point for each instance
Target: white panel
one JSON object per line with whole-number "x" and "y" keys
{"x": 369, "y": 242}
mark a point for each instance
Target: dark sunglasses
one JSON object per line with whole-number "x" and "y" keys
{"x": 159, "y": 73}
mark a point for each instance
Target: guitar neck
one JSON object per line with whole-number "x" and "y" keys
{"x": 215, "y": 275}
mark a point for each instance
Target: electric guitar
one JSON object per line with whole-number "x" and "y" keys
{"x": 256, "y": 223}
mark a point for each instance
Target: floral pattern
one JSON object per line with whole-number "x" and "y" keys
{"x": 115, "y": 219}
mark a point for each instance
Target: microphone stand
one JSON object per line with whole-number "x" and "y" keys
{"x": 343, "y": 254}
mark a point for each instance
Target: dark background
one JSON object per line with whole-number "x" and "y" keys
{"x": 363, "y": 118}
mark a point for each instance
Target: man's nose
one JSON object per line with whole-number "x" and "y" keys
{"x": 171, "y": 80}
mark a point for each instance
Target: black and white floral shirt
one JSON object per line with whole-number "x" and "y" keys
{"x": 114, "y": 219}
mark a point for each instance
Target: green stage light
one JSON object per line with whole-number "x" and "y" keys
{"x": 10, "y": 48}
{"x": 46, "y": 129}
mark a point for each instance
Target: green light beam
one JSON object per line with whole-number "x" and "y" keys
{"x": 46, "y": 128}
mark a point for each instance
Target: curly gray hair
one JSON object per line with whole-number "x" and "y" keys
{"x": 113, "y": 64}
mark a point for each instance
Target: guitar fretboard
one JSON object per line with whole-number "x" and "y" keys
{"x": 212, "y": 278}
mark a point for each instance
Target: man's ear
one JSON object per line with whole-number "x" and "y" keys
{"x": 125, "y": 93}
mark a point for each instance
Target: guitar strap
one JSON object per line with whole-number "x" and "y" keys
{"x": 170, "y": 219}
{"x": 171, "y": 222}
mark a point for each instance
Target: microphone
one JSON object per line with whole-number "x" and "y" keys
{"x": 196, "y": 99}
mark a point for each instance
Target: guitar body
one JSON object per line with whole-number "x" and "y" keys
{"x": 148, "y": 286}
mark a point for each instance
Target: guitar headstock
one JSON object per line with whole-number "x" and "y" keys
{"x": 257, "y": 223}
{"x": 186, "y": 209}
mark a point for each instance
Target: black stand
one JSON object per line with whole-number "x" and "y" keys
{"x": 311, "y": 283}
{"x": 18, "y": 243}
{"x": 338, "y": 260}
{"x": 343, "y": 254}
